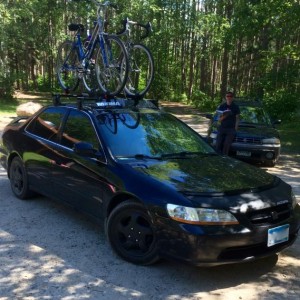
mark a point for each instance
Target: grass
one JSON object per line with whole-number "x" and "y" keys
{"x": 290, "y": 137}
{"x": 8, "y": 108}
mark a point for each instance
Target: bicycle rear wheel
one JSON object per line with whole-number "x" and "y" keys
{"x": 67, "y": 66}
{"x": 111, "y": 66}
{"x": 141, "y": 71}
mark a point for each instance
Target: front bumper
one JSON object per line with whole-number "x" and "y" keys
{"x": 217, "y": 245}
{"x": 258, "y": 153}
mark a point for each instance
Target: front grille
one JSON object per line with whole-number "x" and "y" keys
{"x": 270, "y": 215}
{"x": 247, "y": 140}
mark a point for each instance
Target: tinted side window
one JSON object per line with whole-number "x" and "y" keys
{"x": 47, "y": 124}
{"x": 79, "y": 128}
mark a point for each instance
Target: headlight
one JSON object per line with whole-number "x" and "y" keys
{"x": 271, "y": 141}
{"x": 200, "y": 216}
{"x": 213, "y": 135}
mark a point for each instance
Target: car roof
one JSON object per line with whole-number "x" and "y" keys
{"x": 248, "y": 101}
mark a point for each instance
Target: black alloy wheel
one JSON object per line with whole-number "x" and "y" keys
{"x": 131, "y": 234}
{"x": 18, "y": 179}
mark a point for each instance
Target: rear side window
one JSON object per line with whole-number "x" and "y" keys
{"x": 79, "y": 128}
{"x": 47, "y": 124}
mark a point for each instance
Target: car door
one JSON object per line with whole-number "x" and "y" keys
{"x": 38, "y": 144}
{"x": 79, "y": 180}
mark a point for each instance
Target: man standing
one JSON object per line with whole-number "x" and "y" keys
{"x": 228, "y": 124}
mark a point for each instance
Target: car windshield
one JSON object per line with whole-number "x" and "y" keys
{"x": 149, "y": 135}
{"x": 254, "y": 115}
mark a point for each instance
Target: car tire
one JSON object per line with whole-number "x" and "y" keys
{"x": 131, "y": 234}
{"x": 19, "y": 180}
{"x": 270, "y": 163}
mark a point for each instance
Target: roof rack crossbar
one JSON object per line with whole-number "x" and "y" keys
{"x": 81, "y": 98}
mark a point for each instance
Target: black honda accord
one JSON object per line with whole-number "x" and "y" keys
{"x": 159, "y": 189}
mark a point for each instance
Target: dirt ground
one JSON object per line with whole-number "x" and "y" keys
{"x": 48, "y": 251}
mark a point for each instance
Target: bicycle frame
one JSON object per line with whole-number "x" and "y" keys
{"x": 97, "y": 37}
{"x": 98, "y": 32}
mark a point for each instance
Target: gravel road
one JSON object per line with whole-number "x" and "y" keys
{"x": 48, "y": 251}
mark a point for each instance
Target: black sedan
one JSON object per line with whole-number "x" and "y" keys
{"x": 159, "y": 189}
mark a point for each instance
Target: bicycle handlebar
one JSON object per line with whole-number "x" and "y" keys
{"x": 126, "y": 22}
{"x": 98, "y": 3}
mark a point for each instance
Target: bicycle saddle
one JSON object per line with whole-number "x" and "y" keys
{"x": 75, "y": 27}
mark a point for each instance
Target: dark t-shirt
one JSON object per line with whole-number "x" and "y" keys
{"x": 229, "y": 121}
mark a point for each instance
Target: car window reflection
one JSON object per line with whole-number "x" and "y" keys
{"x": 254, "y": 115}
{"x": 154, "y": 136}
{"x": 78, "y": 128}
{"x": 47, "y": 124}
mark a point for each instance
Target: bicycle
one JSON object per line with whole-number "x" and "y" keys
{"x": 141, "y": 63}
{"x": 102, "y": 61}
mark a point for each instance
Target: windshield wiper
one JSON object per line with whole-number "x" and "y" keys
{"x": 177, "y": 155}
{"x": 185, "y": 154}
{"x": 247, "y": 124}
{"x": 144, "y": 156}
{"x": 138, "y": 156}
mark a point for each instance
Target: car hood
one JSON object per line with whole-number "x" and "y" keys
{"x": 207, "y": 175}
{"x": 258, "y": 131}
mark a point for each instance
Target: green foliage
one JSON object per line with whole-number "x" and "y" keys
{"x": 204, "y": 102}
{"x": 282, "y": 104}
{"x": 199, "y": 47}
{"x": 6, "y": 87}
{"x": 42, "y": 84}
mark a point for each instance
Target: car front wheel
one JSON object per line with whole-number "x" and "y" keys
{"x": 18, "y": 179}
{"x": 131, "y": 233}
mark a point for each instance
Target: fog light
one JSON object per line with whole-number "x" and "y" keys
{"x": 269, "y": 155}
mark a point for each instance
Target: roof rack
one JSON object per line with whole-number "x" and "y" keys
{"x": 247, "y": 99}
{"x": 104, "y": 101}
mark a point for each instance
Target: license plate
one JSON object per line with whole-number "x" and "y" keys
{"x": 278, "y": 235}
{"x": 243, "y": 153}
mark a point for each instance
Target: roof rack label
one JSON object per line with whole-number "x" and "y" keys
{"x": 110, "y": 103}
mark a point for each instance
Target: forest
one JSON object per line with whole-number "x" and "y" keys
{"x": 201, "y": 48}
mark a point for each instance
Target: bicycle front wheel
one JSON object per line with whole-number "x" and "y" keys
{"x": 89, "y": 75}
{"x": 111, "y": 66}
{"x": 141, "y": 71}
{"x": 67, "y": 66}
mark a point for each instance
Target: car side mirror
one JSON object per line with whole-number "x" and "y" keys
{"x": 87, "y": 150}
